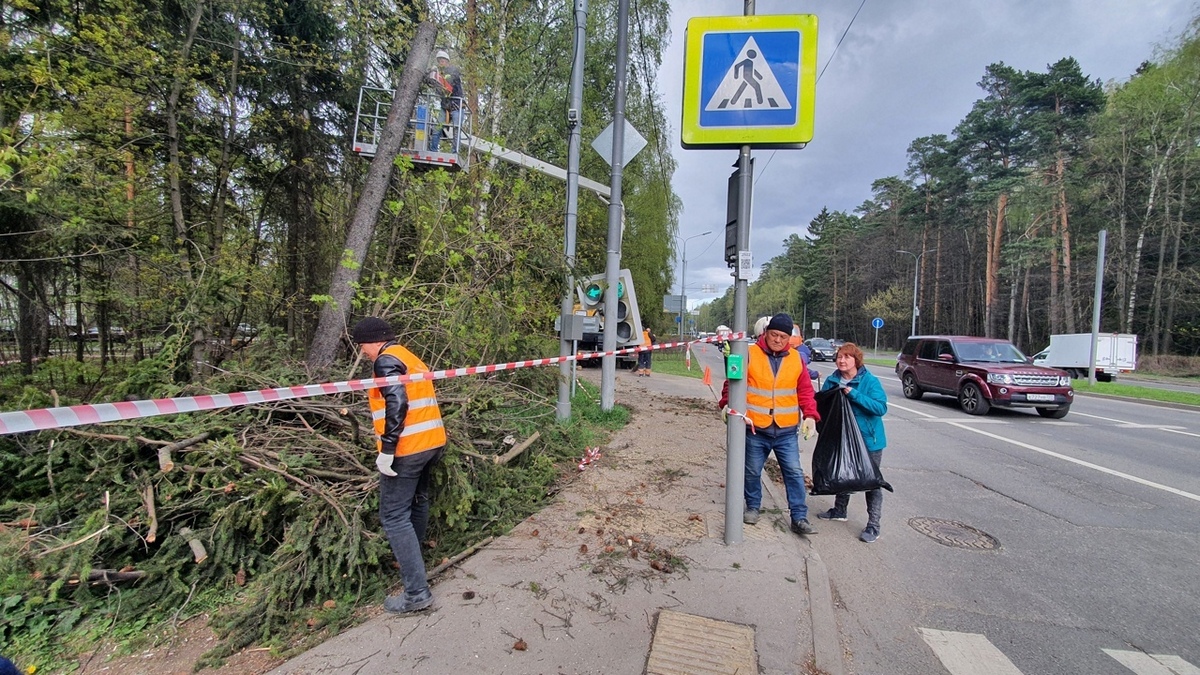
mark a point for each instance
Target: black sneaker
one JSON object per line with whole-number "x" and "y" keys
{"x": 750, "y": 517}
{"x": 402, "y": 604}
{"x": 869, "y": 535}
{"x": 802, "y": 527}
{"x": 832, "y": 515}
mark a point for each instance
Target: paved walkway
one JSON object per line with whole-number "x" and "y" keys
{"x": 625, "y": 571}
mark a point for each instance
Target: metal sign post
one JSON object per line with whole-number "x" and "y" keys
{"x": 877, "y": 323}
{"x": 749, "y": 81}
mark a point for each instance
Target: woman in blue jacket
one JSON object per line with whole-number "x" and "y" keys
{"x": 869, "y": 403}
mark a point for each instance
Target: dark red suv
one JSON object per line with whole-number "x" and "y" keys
{"x": 981, "y": 373}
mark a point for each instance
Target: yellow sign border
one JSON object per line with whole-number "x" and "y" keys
{"x": 694, "y": 136}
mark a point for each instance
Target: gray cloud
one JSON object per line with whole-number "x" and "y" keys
{"x": 905, "y": 70}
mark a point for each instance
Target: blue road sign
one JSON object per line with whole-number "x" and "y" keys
{"x": 749, "y": 80}
{"x": 877, "y": 323}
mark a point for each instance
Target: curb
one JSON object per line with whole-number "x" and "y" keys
{"x": 826, "y": 640}
{"x": 827, "y": 650}
{"x": 1147, "y": 401}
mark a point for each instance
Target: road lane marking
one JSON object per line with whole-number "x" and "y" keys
{"x": 979, "y": 421}
{"x": 1066, "y": 458}
{"x": 1100, "y": 417}
{"x": 1176, "y": 431}
{"x": 1130, "y": 425}
{"x": 967, "y": 653}
{"x": 1152, "y": 664}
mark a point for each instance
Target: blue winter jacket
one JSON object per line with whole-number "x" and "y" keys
{"x": 869, "y": 403}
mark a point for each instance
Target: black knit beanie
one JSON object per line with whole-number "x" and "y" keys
{"x": 781, "y": 323}
{"x": 372, "y": 329}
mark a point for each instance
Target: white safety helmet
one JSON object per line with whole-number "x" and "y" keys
{"x": 442, "y": 55}
{"x": 761, "y": 325}
{"x": 723, "y": 330}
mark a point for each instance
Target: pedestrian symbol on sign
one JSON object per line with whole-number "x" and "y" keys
{"x": 750, "y": 84}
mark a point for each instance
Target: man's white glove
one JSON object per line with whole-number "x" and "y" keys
{"x": 383, "y": 462}
{"x": 807, "y": 427}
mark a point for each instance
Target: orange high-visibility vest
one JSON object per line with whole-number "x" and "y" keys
{"x": 423, "y": 429}
{"x": 771, "y": 397}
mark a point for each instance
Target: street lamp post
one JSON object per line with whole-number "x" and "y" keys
{"x": 916, "y": 277}
{"x": 683, "y": 279}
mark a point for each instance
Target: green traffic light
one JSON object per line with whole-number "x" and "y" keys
{"x": 594, "y": 292}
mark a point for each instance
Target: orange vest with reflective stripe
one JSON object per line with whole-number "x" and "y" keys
{"x": 771, "y": 397}
{"x": 423, "y": 429}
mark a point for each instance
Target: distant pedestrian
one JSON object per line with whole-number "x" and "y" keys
{"x": 869, "y": 403}
{"x": 644, "y": 357}
{"x": 779, "y": 399}
{"x": 410, "y": 439}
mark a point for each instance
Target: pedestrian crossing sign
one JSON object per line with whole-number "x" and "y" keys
{"x": 749, "y": 80}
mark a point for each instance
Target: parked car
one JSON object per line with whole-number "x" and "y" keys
{"x": 822, "y": 349}
{"x": 981, "y": 373}
{"x": 115, "y": 334}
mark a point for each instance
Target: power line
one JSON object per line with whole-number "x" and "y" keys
{"x": 819, "y": 75}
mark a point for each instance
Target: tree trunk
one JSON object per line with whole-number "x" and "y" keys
{"x": 336, "y": 309}
{"x": 1068, "y": 305}
{"x": 174, "y": 173}
{"x": 992, "y": 288}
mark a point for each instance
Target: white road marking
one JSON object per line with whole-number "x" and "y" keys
{"x": 1130, "y": 425}
{"x": 1098, "y": 417}
{"x": 1066, "y": 458}
{"x": 978, "y": 421}
{"x": 967, "y": 653}
{"x": 1176, "y": 431}
{"x": 1152, "y": 664}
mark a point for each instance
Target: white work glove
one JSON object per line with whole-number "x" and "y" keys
{"x": 383, "y": 462}
{"x": 807, "y": 427}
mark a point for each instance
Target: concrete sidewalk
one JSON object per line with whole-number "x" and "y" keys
{"x": 625, "y": 571}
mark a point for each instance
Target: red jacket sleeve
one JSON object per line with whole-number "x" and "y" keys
{"x": 804, "y": 392}
{"x": 724, "y": 395}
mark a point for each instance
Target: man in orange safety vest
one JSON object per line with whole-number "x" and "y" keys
{"x": 410, "y": 439}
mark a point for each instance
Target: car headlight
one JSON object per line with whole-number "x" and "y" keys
{"x": 1064, "y": 381}
{"x": 1000, "y": 378}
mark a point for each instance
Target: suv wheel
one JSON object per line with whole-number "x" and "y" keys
{"x": 972, "y": 401}
{"x": 911, "y": 388}
{"x": 1055, "y": 413}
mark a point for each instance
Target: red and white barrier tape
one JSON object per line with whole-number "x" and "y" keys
{"x": 41, "y": 419}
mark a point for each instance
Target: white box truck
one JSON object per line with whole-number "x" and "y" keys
{"x": 1115, "y": 353}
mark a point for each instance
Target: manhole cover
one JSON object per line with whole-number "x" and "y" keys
{"x": 953, "y": 533}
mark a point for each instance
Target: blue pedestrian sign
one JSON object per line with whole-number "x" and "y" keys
{"x": 749, "y": 80}
{"x": 877, "y": 323}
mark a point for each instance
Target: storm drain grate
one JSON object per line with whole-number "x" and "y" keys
{"x": 954, "y": 533}
{"x": 686, "y": 644}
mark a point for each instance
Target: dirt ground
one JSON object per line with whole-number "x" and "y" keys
{"x": 656, "y": 405}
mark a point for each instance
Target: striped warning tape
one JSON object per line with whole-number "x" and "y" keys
{"x": 41, "y": 419}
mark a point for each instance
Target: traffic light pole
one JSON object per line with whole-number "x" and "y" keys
{"x": 566, "y": 370}
{"x": 608, "y": 371}
{"x": 735, "y": 427}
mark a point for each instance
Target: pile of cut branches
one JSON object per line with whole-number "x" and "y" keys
{"x": 267, "y": 513}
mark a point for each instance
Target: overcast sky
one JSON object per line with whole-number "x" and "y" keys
{"x": 906, "y": 69}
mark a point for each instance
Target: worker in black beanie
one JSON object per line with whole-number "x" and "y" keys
{"x": 779, "y": 402}
{"x": 410, "y": 439}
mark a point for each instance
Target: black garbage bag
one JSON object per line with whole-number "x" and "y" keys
{"x": 841, "y": 462}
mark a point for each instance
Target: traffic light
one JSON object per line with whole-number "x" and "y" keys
{"x": 591, "y": 292}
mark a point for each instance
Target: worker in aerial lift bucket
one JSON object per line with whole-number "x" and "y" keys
{"x": 447, "y": 81}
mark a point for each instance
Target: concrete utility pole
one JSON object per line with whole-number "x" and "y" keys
{"x": 735, "y": 429}
{"x": 574, "y": 123}
{"x": 1099, "y": 296}
{"x": 608, "y": 370}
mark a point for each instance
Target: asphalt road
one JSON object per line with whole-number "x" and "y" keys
{"x": 1053, "y": 546}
